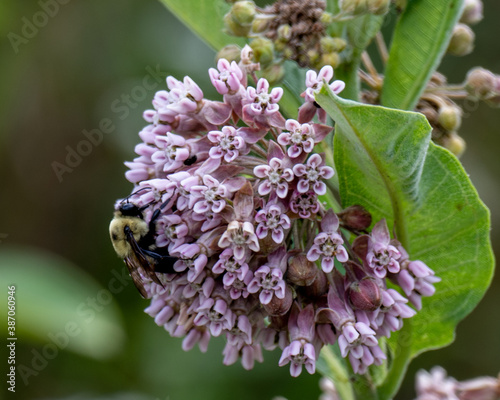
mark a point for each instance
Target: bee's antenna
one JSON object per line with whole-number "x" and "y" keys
{"x": 146, "y": 206}
{"x": 134, "y": 193}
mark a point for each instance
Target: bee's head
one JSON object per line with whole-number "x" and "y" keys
{"x": 130, "y": 210}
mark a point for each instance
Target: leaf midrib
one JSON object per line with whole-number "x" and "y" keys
{"x": 399, "y": 219}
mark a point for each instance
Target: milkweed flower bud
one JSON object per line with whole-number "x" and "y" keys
{"x": 329, "y": 44}
{"x": 453, "y": 143}
{"x": 450, "y": 117}
{"x": 230, "y": 53}
{"x": 277, "y": 306}
{"x": 365, "y": 294}
{"x": 494, "y": 99}
{"x": 263, "y": 49}
{"x": 318, "y": 288}
{"x": 355, "y": 217}
{"x": 243, "y": 12}
{"x": 332, "y": 59}
{"x": 462, "y": 40}
{"x": 480, "y": 83}
{"x": 260, "y": 23}
{"x": 234, "y": 27}
{"x": 301, "y": 271}
{"x": 274, "y": 73}
{"x": 284, "y": 32}
{"x": 473, "y": 12}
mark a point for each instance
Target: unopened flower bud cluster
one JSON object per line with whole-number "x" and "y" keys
{"x": 239, "y": 188}
{"x": 294, "y": 30}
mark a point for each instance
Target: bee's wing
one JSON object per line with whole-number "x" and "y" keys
{"x": 133, "y": 268}
{"x": 141, "y": 260}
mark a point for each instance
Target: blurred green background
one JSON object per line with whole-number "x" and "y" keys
{"x": 84, "y": 69}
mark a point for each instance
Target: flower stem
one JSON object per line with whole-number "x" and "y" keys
{"x": 338, "y": 374}
{"x": 382, "y": 47}
{"x": 399, "y": 364}
{"x": 365, "y": 388}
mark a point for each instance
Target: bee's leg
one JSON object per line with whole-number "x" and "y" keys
{"x": 159, "y": 257}
{"x": 149, "y": 239}
{"x": 154, "y": 217}
{"x": 163, "y": 263}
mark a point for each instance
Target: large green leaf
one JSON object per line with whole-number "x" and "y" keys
{"x": 57, "y": 303}
{"x": 386, "y": 163}
{"x": 206, "y": 19}
{"x": 420, "y": 39}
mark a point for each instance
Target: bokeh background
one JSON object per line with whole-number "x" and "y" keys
{"x": 84, "y": 69}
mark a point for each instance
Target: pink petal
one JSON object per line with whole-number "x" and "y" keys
{"x": 327, "y": 264}
{"x": 337, "y": 86}
{"x": 261, "y": 171}
{"x": 299, "y": 170}
{"x": 277, "y": 235}
{"x": 326, "y": 73}
{"x": 265, "y": 297}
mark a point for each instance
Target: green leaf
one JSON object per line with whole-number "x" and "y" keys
{"x": 58, "y": 303}
{"x": 386, "y": 163}
{"x": 420, "y": 40}
{"x": 206, "y": 19}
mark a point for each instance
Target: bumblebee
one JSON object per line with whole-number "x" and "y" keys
{"x": 134, "y": 240}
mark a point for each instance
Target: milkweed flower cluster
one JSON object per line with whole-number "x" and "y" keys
{"x": 237, "y": 188}
{"x": 436, "y": 385}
